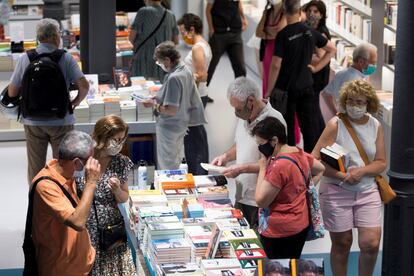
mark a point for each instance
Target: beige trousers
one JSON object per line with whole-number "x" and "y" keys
{"x": 37, "y": 140}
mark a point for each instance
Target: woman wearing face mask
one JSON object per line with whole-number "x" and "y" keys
{"x": 177, "y": 106}
{"x": 110, "y": 134}
{"x": 316, "y": 18}
{"x": 198, "y": 60}
{"x": 351, "y": 200}
{"x": 281, "y": 191}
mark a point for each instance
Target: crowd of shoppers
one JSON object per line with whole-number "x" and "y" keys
{"x": 270, "y": 170}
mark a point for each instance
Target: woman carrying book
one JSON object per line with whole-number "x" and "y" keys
{"x": 281, "y": 191}
{"x": 351, "y": 199}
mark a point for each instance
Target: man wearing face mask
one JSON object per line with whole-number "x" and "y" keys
{"x": 246, "y": 99}
{"x": 59, "y": 230}
{"x": 39, "y": 131}
{"x": 364, "y": 64}
{"x": 110, "y": 134}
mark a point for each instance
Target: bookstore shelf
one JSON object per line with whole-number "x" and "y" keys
{"x": 391, "y": 28}
{"x": 25, "y": 17}
{"x": 390, "y": 67}
{"x": 358, "y": 6}
{"x": 343, "y": 33}
{"x": 134, "y": 128}
{"x": 27, "y": 3}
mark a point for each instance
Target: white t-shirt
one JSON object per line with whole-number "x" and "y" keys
{"x": 367, "y": 134}
{"x": 247, "y": 152}
{"x": 202, "y": 86}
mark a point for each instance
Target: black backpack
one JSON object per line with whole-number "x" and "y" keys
{"x": 29, "y": 250}
{"x": 44, "y": 93}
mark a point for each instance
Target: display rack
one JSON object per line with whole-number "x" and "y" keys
{"x": 134, "y": 128}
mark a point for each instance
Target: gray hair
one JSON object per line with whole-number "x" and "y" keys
{"x": 363, "y": 51}
{"x": 75, "y": 144}
{"x": 47, "y": 28}
{"x": 242, "y": 87}
{"x": 167, "y": 49}
{"x": 291, "y": 7}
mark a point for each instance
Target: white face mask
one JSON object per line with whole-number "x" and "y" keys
{"x": 275, "y": 2}
{"x": 163, "y": 67}
{"x": 114, "y": 148}
{"x": 356, "y": 112}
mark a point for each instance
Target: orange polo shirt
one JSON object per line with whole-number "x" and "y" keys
{"x": 60, "y": 250}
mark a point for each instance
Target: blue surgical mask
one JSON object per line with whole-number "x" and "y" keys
{"x": 369, "y": 70}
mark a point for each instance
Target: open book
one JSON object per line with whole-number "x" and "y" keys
{"x": 335, "y": 156}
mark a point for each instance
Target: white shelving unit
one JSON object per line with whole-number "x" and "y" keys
{"x": 391, "y": 28}
{"x": 335, "y": 28}
{"x": 358, "y": 6}
{"x": 27, "y": 3}
{"x": 25, "y": 17}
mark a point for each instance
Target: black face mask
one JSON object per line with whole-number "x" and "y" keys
{"x": 266, "y": 149}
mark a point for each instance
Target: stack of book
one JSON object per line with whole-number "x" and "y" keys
{"x": 81, "y": 113}
{"x": 185, "y": 269}
{"x": 141, "y": 198}
{"x": 161, "y": 175}
{"x": 221, "y": 267}
{"x": 179, "y": 193}
{"x": 144, "y": 114}
{"x": 111, "y": 105}
{"x": 169, "y": 251}
{"x": 166, "y": 230}
{"x": 96, "y": 109}
{"x": 210, "y": 180}
{"x": 213, "y": 193}
{"x": 128, "y": 110}
{"x": 195, "y": 211}
{"x": 246, "y": 247}
{"x": 145, "y": 212}
{"x": 335, "y": 156}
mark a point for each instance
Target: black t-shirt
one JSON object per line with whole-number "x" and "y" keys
{"x": 295, "y": 44}
{"x": 321, "y": 78}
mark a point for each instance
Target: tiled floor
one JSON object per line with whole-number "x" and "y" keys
{"x": 13, "y": 186}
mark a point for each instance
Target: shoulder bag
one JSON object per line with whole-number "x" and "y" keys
{"x": 386, "y": 192}
{"x": 29, "y": 250}
{"x": 152, "y": 33}
{"x": 316, "y": 227}
{"x": 110, "y": 237}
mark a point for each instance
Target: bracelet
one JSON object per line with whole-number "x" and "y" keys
{"x": 158, "y": 108}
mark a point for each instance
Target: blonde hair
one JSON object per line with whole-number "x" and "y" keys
{"x": 359, "y": 88}
{"x": 106, "y": 128}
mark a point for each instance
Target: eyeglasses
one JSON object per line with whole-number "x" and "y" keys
{"x": 118, "y": 141}
{"x": 351, "y": 101}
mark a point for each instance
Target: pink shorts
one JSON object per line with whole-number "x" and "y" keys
{"x": 343, "y": 210}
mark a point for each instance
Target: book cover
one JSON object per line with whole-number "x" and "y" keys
{"x": 180, "y": 268}
{"x": 214, "y": 242}
{"x": 309, "y": 266}
{"x": 277, "y": 266}
{"x": 121, "y": 78}
{"x": 226, "y": 272}
{"x": 240, "y": 234}
{"x": 248, "y": 254}
{"x": 246, "y": 244}
{"x": 209, "y": 264}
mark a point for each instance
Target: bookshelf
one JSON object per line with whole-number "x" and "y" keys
{"x": 358, "y": 6}
{"x": 26, "y": 10}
